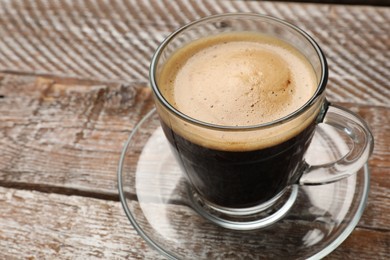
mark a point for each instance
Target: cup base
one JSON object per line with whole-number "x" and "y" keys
{"x": 256, "y": 217}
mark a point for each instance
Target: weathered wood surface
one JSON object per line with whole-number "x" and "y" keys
{"x": 350, "y": 2}
{"x": 58, "y": 135}
{"x": 37, "y": 225}
{"x": 61, "y": 135}
{"x": 115, "y": 41}
{"x": 80, "y": 227}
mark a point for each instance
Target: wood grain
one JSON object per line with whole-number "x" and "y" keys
{"x": 364, "y": 244}
{"x": 36, "y": 225}
{"x": 74, "y": 83}
{"x": 44, "y": 161}
{"x": 350, "y": 2}
{"x": 65, "y": 134}
{"x": 58, "y": 134}
{"x": 92, "y": 228}
{"x": 91, "y": 39}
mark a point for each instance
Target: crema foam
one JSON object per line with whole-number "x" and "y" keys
{"x": 238, "y": 79}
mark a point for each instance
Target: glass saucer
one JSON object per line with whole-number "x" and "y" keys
{"x": 155, "y": 199}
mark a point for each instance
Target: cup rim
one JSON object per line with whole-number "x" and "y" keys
{"x": 320, "y": 87}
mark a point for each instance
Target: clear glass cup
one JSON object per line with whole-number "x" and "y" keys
{"x": 238, "y": 189}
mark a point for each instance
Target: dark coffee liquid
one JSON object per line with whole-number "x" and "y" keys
{"x": 240, "y": 179}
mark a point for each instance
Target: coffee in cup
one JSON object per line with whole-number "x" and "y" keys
{"x": 239, "y": 97}
{"x": 238, "y": 79}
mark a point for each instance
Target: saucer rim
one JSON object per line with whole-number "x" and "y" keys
{"x": 320, "y": 254}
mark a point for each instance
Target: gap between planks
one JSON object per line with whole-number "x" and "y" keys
{"x": 60, "y": 190}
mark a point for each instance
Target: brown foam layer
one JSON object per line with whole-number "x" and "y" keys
{"x": 238, "y": 79}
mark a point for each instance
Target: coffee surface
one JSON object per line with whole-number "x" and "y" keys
{"x": 237, "y": 79}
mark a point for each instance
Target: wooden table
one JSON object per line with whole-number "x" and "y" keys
{"x": 74, "y": 83}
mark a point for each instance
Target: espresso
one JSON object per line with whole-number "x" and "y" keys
{"x": 237, "y": 179}
{"x": 238, "y": 80}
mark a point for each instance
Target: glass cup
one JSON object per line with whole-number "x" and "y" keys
{"x": 255, "y": 188}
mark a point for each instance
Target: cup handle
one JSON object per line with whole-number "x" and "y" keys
{"x": 363, "y": 144}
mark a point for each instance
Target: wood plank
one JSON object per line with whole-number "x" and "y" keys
{"x": 118, "y": 45}
{"x": 344, "y": 2}
{"x": 57, "y": 133}
{"x": 93, "y": 228}
{"x": 364, "y": 244}
{"x": 376, "y": 212}
{"x": 37, "y": 225}
{"x": 66, "y": 136}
